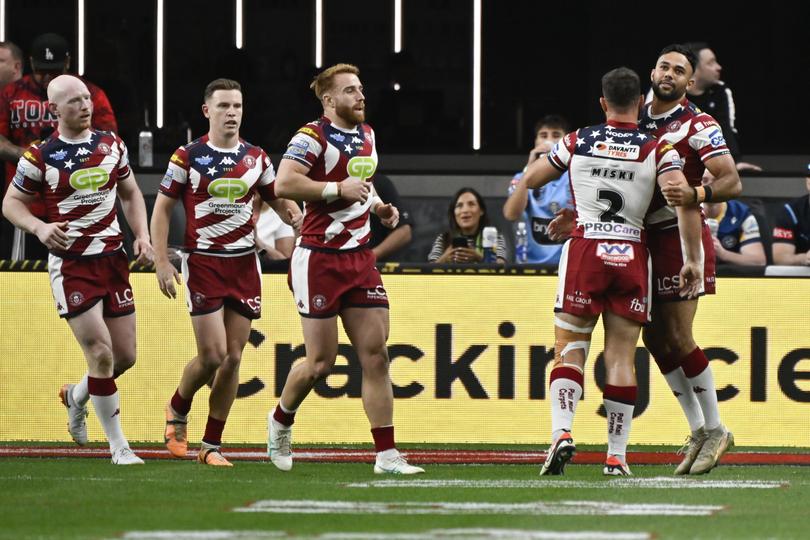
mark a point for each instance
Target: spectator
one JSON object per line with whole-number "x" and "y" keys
{"x": 791, "y": 233}
{"x": 462, "y": 242}
{"x": 274, "y": 238}
{"x": 11, "y": 63}
{"x": 385, "y": 242}
{"x": 25, "y": 118}
{"x": 537, "y": 207}
{"x": 712, "y": 96}
{"x": 735, "y": 231}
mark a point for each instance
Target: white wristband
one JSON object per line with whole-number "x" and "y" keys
{"x": 330, "y": 191}
{"x": 374, "y": 203}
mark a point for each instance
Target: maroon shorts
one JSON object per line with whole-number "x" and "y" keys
{"x": 79, "y": 284}
{"x": 667, "y": 260}
{"x": 604, "y": 275}
{"x": 213, "y": 281}
{"x": 323, "y": 283}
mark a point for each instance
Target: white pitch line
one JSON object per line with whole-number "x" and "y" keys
{"x": 449, "y": 534}
{"x": 559, "y": 508}
{"x": 658, "y": 482}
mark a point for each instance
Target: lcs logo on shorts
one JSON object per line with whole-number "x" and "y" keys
{"x": 377, "y": 293}
{"x": 91, "y": 178}
{"x": 361, "y": 167}
{"x": 228, "y": 188}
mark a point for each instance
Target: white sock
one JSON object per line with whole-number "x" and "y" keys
{"x": 703, "y": 389}
{"x": 619, "y": 420}
{"x": 108, "y": 413}
{"x": 391, "y": 453}
{"x": 80, "y": 393}
{"x": 564, "y": 395}
{"x": 682, "y": 388}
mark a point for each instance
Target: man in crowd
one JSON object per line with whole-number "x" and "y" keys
{"x": 791, "y": 231}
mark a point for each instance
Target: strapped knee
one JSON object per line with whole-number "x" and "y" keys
{"x": 569, "y": 337}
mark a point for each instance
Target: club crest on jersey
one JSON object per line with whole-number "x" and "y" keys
{"x": 615, "y": 254}
{"x": 205, "y": 160}
{"x": 104, "y": 148}
{"x": 674, "y": 126}
{"x": 91, "y": 178}
{"x": 249, "y": 161}
{"x": 228, "y": 188}
{"x": 319, "y": 301}
{"x": 616, "y": 151}
{"x": 198, "y": 299}
{"x": 361, "y": 167}
{"x": 59, "y": 155}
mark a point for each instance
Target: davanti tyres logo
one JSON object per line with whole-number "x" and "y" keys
{"x": 91, "y": 178}
{"x": 361, "y": 167}
{"x": 228, "y": 188}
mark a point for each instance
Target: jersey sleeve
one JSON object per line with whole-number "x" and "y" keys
{"x": 30, "y": 172}
{"x": 560, "y": 155}
{"x": 5, "y": 112}
{"x": 667, "y": 158}
{"x": 707, "y": 139}
{"x": 749, "y": 230}
{"x": 267, "y": 181}
{"x": 306, "y": 146}
{"x": 785, "y": 226}
{"x": 176, "y": 177}
{"x": 124, "y": 170}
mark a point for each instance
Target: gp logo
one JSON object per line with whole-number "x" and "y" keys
{"x": 228, "y": 188}
{"x": 361, "y": 167}
{"x": 91, "y": 178}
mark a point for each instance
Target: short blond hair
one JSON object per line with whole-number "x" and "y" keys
{"x": 326, "y": 78}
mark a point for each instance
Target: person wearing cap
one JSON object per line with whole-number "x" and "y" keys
{"x": 791, "y": 231}
{"x": 25, "y": 119}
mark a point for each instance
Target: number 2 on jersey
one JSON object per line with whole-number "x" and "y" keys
{"x": 616, "y": 203}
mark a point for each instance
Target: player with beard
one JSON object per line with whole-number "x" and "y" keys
{"x": 699, "y": 141}
{"x": 329, "y": 164}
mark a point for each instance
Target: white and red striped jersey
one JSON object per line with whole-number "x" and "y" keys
{"x": 334, "y": 154}
{"x": 217, "y": 186}
{"x": 613, "y": 169}
{"x": 77, "y": 180}
{"x": 696, "y": 136}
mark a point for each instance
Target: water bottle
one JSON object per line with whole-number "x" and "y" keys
{"x": 489, "y": 237}
{"x": 521, "y": 243}
{"x": 145, "y": 144}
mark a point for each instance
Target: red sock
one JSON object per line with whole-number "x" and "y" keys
{"x": 694, "y": 363}
{"x": 383, "y": 438}
{"x": 180, "y": 404}
{"x": 283, "y": 418}
{"x": 101, "y": 387}
{"x": 213, "y": 431}
{"x": 621, "y": 394}
{"x": 667, "y": 364}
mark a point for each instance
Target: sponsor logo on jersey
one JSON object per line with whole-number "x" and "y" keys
{"x": 612, "y": 174}
{"x": 378, "y": 293}
{"x": 778, "y": 232}
{"x": 357, "y": 140}
{"x": 166, "y": 183}
{"x": 297, "y": 148}
{"x": 361, "y": 167}
{"x": 177, "y": 159}
{"x": 615, "y": 254}
{"x": 578, "y": 299}
{"x": 616, "y": 151}
{"x": 639, "y": 306}
{"x": 228, "y": 188}
{"x": 716, "y": 138}
{"x": 249, "y": 161}
{"x": 59, "y": 155}
{"x": 91, "y": 178}
{"x": 205, "y": 160}
{"x": 29, "y": 156}
{"x": 104, "y": 148}
{"x": 609, "y": 229}
{"x": 82, "y": 151}
{"x": 19, "y": 175}
{"x": 309, "y": 131}
{"x": 337, "y": 137}
{"x": 227, "y": 161}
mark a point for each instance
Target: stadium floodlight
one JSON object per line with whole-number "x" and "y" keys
{"x": 476, "y": 142}
{"x": 239, "y": 29}
{"x": 159, "y": 67}
{"x": 397, "y": 26}
{"x": 318, "y": 33}
{"x": 80, "y": 9}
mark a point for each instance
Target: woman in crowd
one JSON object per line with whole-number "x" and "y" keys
{"x": 463, "y": 241}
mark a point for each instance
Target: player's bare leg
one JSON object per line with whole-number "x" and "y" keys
{"x": 619, "y": 394}
{"x": 94, "y": 338}
{"x": 367, "y": 329}
{"x": 321, "y": 342}
{"x": 572, "y": 335}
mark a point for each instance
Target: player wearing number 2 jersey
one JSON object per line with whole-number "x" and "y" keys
{"x": 604, "y": 267}
{"x": 328, "y": 164}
